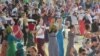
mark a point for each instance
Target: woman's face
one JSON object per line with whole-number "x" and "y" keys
{"x": 32, "y": 52}
{"x": 41, "y": 21}
{"x": 83, "y": 54}
{"x": 52, "y": 21}
{"x": 59, "y": 21}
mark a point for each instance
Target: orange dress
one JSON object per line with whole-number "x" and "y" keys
{"x": 3, "y": 48}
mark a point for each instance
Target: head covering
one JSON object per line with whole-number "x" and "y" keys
{"x": 8, "y": 30}
{"x": 19, "y": 46}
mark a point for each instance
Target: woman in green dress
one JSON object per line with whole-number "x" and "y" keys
{"x": 11, "y": 42}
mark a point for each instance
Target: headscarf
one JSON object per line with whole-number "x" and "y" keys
{"x": 8, "y": 30}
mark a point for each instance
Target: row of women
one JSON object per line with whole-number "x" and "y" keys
{"x": 30, "y": 26}
{"x": 12, "y": 44}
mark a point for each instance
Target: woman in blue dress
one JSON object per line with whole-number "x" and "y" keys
{"x": 11, "y": 50}
{"x": 53, "y": 45}
{"x": 60, "y": 37}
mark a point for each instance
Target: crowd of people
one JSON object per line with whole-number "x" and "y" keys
{"x": 32, "y": 24}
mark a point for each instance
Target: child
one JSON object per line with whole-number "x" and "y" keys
{"x": 20, "y": 51}
{"x": 82, "y": 52}
{"x": 32, "y": 51}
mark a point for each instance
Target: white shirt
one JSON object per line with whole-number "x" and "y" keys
{"x": 40, "y": 32}
{"x": 14, "y": 10}
{"x": 74, "y": 20}
{"x": 89, "y": 17}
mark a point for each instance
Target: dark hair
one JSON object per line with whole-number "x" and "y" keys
{"x": 81, "y": 50}
{"x": 93, "y": 39}
{"x": 6, "y": 2}
{"x": 71, "y": 26}
{"x": 87, "y": 27}
{"x": 34, "y": 49}
{"x": 16, "y": 21}
{"x": 36, "y": 9}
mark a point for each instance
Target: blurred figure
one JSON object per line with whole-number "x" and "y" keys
{"x": 4, "y": 48}
{"x": 40, "y": 29}
{"x": 70, "y": 47}
{"x": 11, "y": 50}
{"x": 20, "y": 50}
{"x": 53, "y": 44}
{"x": 32, "y": 51}
{"x": 82, "y": 52}
{"x": 60, "y": 37}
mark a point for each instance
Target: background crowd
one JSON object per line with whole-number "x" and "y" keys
{"x": 26, "y": 26}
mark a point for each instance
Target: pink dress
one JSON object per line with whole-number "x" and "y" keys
{"x": 18, "y": 35}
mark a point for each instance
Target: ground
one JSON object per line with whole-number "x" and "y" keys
{"x": 77, "y": 45}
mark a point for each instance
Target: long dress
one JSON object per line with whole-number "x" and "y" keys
{"x": 60, "y": 42}
{"x": 4, "y": 48}
{"x": 11, "y": 51}
{"x": 81, "y": 26}
{"x": 70, "y": 43}
{"x": 53, "y": 45}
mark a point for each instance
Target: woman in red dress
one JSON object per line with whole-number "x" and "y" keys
{"x": 4, "y": 48}
{"x": 82, "y": 26}
{"x": 17, "y": 31}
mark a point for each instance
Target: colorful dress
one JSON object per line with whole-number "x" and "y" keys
{"x": 60, "y": 42}
{"x": 11, "y": 51}
{"x": 53, "y": 45}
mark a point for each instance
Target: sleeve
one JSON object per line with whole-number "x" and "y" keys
{"x": 14, "y": 38}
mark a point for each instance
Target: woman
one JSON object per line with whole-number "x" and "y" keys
{"x": 30, "y": 35}
{"x": 18, "y": 34}
{"x": 23, "y": 24}
{"x": 3, "y": 48}
{"x": 82, "y": 52}
{"x": 11, "y": 42}
{"x": 87, "y": 33}
{"x": 60, "y": 37}
{"x": 81, "y": 26}
{"x": 40, "y": 37}
{"x": 53, "y": 45}
{"x": 70, "y": 47}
